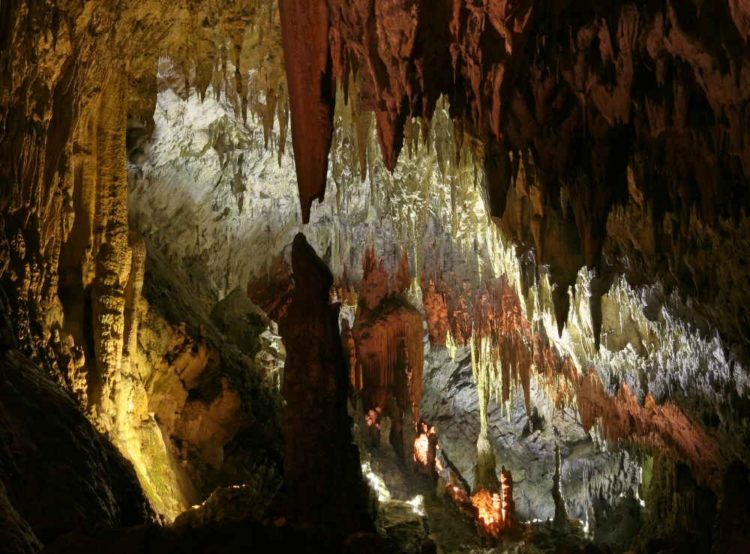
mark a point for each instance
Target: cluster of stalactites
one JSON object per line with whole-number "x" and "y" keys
{"x": 563, "y": 109}
{"x": 507, "y": 350}
{"x": 393, "y": 344}
{"x": 502, "y": 348}
{"x": 386, "y": 345}
{"x": 239, "y": 59}
{"x": 436, "y": 180}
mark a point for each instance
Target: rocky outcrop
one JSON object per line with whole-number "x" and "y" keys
{"x": 58, "y": 473}
{"x": 241, "y": 321}
{"x": 15, "y": 532}
{"x": 589, "y": 472}
{"x": 207, "y": 414}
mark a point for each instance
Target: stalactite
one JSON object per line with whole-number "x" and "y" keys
{"x": 305, "y": 30}
{"x": 436, "y": 314}
{"x": 501, "y": 344}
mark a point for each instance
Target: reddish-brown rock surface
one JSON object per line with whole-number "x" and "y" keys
{"x": 321, "y": 464}
{"x": 388, "y": 337}
{"x": 311, "y": 94}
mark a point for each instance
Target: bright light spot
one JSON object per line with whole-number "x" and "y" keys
{"x": 421, "y": 450}
{"x": 417, "y": 505}
{"x": 376, "y": 483}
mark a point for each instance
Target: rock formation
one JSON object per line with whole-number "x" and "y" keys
{"x": 557, "y": 190}
{"x": 58, "y": 473}
{"x": 311, "y": 94}
{"x": 389, "y": 349}
{"x": 321, "y": 464}
{"x": 566, "y": 123}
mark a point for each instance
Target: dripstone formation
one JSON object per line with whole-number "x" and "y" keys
{"x": 521, "y": 295}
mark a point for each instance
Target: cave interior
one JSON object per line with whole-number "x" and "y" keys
{"x": 374, "y": 276}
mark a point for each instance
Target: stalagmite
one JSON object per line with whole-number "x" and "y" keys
{"x": 508, "y": 505}
{"x": 561, "y": 514}
{"x": 321, "y": 464}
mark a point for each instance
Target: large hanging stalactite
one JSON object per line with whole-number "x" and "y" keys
{"x": 305, "y": 30}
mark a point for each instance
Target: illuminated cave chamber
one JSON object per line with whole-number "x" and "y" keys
{"x": 377, "y": 276}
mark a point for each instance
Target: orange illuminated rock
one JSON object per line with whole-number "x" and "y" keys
{"x": 489, "y": 512}
{"x": 425, "y": 449}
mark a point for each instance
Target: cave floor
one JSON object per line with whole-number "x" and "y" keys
{"x": 451, "y": 531}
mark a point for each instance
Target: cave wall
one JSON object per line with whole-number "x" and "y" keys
{"x": 58, "y": 472}
{"x": 77, "y": 97}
